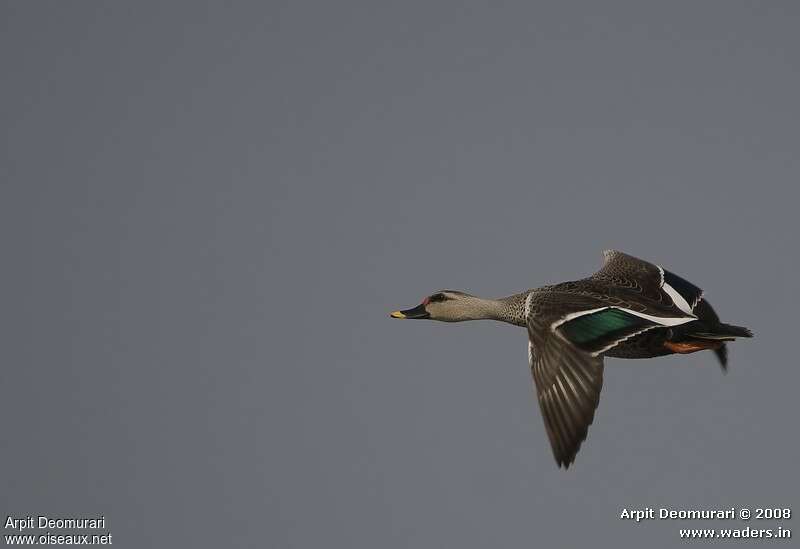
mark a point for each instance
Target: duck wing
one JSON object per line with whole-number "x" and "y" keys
{"x": 567, "y": 334}
{"x": 568, "y": 385}
{"x": 653, "y": 282}
{"x": 627, "y": 274}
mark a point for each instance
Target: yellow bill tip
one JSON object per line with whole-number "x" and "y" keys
{"x": 397, "y": 314}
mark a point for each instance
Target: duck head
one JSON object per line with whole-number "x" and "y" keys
{"x": 444, "y": 305}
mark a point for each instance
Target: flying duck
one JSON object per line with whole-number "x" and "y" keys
{"x": 628, "y": 309}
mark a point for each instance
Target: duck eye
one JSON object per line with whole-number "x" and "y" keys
{"x": 438, "y": 297}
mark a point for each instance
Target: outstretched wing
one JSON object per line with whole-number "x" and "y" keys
{"x": 568, "y": 331}
{"x": 653, "y": 282}
{"x": 568, "y": 383}
{"x": 570, "y": 326}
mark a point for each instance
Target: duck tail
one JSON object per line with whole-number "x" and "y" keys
{"x": 719, "y": 334}
{"x": 723, "y": 332}
{"x": 722, "y": 356}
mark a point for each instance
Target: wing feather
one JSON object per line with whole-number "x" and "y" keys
{"x": 653, "y": 282}
{"x": 568, "y": 383}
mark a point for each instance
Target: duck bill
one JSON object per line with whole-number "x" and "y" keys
{"x": 417, "y": 312}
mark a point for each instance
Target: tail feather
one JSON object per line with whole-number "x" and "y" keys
{"x": 722, "y": 356}
{"x": 724, "y": 332}
{"x": 709, "y": 328}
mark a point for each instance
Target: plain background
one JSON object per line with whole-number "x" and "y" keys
{"x": 208, "y": 211}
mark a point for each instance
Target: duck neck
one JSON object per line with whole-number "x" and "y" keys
{"x": 509, "y": 309}
{"x": 513, "y": 309}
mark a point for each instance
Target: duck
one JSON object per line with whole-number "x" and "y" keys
{"x": 630, "y": 308}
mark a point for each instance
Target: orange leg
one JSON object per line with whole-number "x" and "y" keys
{"x": 685, "y": 347}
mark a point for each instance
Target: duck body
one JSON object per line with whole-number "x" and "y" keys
{"x": 630, "y": 308}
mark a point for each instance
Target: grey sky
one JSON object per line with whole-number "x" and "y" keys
{"x": 209, "y": 210}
